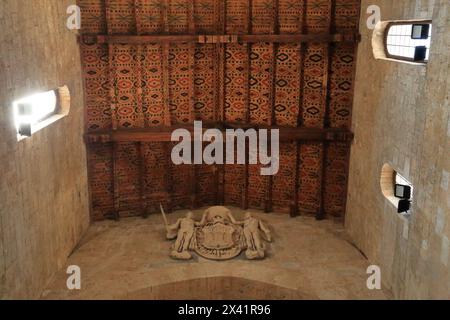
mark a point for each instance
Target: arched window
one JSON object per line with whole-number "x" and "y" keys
{"x": 33, "y": 109}
{"x": 397, "y": 189}
{"x": 409, "y": 41}
{"x": 39, "y": 110}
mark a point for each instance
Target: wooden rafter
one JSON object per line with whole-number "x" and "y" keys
{"x": 164, "y": 134}
{"x": 294, "y": 208}
{"x": 115, "y": 179}
{"x": 192, "y": 49}
{"x": 268, "y": 207}
{"x": 326, "y": 102}
{"x": 139, "y": 100}
{"x": 243, "y": 38}
{"x": 142, "y": 174}
{"x": 219, "y": 89}
{"x": 114, "y": 120}
{"x": 167, "y": 101}
{"x": 248, "y": 102}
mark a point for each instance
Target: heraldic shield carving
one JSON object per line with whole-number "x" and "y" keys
{"x": 218, "y": 236}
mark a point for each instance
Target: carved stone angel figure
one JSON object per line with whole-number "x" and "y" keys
{"x": 183, "y": 230}
{"x": 252, "y": 234}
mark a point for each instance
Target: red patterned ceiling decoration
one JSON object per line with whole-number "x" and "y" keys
{"x": 153, "y": 65}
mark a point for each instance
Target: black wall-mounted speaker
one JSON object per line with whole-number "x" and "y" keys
{"x": 404, "y": 206}
{"x": 420, "y": 53}
{"x": 25, "y": 129}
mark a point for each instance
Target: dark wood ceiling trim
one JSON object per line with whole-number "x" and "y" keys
{"x": 245, "y": 200}
{"x": 268, "y": 207}
{"x": 140, "y": 145}
{"x": 326, "y": 97}
{"x": 142, "y": 175}
{"x": 220, "y": 88}
{"x": 114, "y": 118}
{"x": 295, "y": 208}
{"x": 164, "y": 134}
{"x": 115, "y": 178}
{"x": 167, "y": 100}
{"x": 245, "y": 38}
{"x": 192, "y": 50}
{"x": 169, "y": 175}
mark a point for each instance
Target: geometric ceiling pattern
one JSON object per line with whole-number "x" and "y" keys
{"x": 153, "y": 65}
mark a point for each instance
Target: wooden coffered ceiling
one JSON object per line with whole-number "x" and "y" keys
{"x": 153, "y": 65}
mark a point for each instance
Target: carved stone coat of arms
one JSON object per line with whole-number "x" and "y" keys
{"x": 218, "y": 236}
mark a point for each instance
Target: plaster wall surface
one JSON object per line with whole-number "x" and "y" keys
{"x": 43, "y": 183}
{"x": 401, "y": 117}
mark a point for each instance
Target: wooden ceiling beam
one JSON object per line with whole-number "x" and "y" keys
{"x": 295, "y": 208}
{"x": 326, "y": 96}
{"x": 114, "y": 119}
{"x": 275, "y": 32}
{"x": 139, "y": 99}
{"x": 245, "y": 38}
{"x": 167, "y": 100}
{"x": 245, "y": 191}
{"x": 163, "y": 134}
{"x": 192, "y": 100}
{"x": 220, "y": 70}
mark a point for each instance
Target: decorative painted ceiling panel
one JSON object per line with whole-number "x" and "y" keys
{"x": 139, "y": 86}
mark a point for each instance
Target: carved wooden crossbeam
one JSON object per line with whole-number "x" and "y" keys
{"x": 218, "y": 39}
{"x": 164, "y": 134}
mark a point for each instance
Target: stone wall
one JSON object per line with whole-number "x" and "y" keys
{"x": 43, "y": 183}
{"x": 401, "y": 117}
